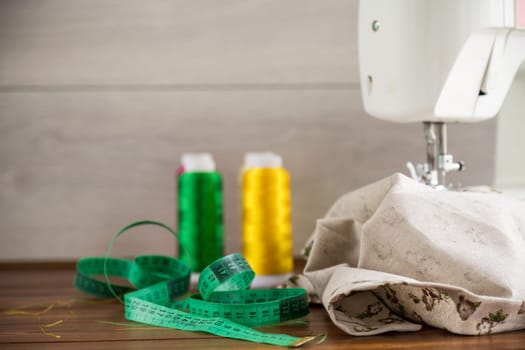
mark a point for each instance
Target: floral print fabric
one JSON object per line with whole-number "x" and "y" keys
{"x": 396, "y": 254}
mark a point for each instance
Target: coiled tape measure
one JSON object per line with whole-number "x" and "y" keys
{"x": 224, "y": 306}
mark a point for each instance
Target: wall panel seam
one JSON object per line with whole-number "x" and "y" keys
{"x": 320, "y": 86}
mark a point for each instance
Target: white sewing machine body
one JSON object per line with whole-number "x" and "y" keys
{"x": 444, "y": 61}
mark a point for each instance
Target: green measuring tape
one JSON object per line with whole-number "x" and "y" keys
{"x": 224, "y": 306}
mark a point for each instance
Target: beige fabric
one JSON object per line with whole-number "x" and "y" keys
{"x": 397, "y": 254}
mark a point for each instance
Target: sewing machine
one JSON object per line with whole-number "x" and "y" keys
{"x": 447, "y": 61}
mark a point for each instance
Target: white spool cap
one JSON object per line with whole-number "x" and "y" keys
{"x": 262, "y": 160}
{"x": 193, "y": 162}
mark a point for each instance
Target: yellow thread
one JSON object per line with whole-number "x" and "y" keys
{"x": 267, "y": 228}
{"x": 305, "y": 340}
{"x": 53, "y": 324}
{"x": 49, "y": 325}
{"x": 56, "y": 336}
{"x": 22, "y": 310}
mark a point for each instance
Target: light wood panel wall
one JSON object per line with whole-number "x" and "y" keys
{"x": 99, "y": 99}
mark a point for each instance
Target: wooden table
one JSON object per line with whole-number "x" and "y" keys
{"x": 40, "y": 309}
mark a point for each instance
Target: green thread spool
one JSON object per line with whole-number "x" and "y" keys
{"x": 200, "y": 206}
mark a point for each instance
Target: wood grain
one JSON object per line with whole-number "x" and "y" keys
{"x": 85, "y": 324}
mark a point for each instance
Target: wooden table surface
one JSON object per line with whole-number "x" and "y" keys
{"x": 40, "y": 309}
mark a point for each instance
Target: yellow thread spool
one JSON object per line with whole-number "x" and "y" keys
{"x": 267, "y": 228}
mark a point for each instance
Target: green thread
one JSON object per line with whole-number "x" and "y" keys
{"x": 200, "y": 218}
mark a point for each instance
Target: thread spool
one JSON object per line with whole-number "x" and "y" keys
{"x": 266, "y": 227}
{"x": 200, "y": 217}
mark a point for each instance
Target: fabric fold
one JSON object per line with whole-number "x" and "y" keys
{"x": 396, "y": 254}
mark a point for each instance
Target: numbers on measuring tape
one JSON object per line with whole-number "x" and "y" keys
{"x": 224, "y": 307}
